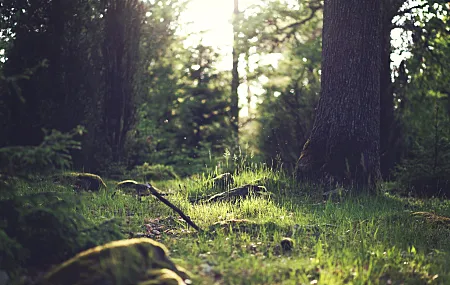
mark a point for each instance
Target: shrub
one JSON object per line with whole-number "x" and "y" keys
{"x": 154, "y": 172}
{"x": 52, "y": 153}
{"x": 426, "y": 171}
{"x": 39, "y": 230}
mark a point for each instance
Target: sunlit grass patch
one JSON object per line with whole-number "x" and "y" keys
{"x": 357, "y": 239}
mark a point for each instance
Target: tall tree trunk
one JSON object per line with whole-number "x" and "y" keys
{"x": 343, "y": 147}
{"x": 235, "y": 75}
{"x": 56, "y": 117}
{"x": 120, "y": 54}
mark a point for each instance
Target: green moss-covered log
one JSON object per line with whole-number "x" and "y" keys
{"x": 133, "y": 261}
{"x": 81, "y": 181}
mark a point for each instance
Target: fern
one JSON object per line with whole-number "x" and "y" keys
{"x": 52, "y": 153}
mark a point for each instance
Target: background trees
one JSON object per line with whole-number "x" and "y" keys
{"x": 122, "y": 69}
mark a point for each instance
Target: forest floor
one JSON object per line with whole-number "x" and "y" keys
{"x": 380, "y": 239}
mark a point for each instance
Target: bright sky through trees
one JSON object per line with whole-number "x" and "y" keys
{"x": 213, "y": 18}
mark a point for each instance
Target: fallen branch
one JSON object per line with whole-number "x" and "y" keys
{"x": 188, "y": 220}
{"x": 155, "y": 192}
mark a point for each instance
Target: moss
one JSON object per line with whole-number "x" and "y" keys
{"x": 133, "y": 187}
{"x": 162, "y": 276}
{"x": 305, "y": 147}
{"x": 433, "y": 218}
{"x": 43, "y": 227}
{"x": 81, "y": 181}
{"x": 133, "y": 261}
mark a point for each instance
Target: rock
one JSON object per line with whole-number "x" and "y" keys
{"x": 133, "y": 261}
{"x": 131, "y": 186}
{"x": 82, "y": 181}
{"x": 287, "y": 244}
{"x": 239, "y": 192}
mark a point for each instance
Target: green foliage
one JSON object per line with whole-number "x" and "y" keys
{"x": 358, "y": 240}
{"x": 40, "y": 229}
{"x": 286, "y": 115}
{"x": 52, "y": 153}
{"x": 270, "y": 25}
{"x": 333, "y": 243}
{"x": 98, "y": 55}
{"x": 125, "y": 73}
{"x": 423, "y": 101}
{"x": 187, "y": 161}
{"x": 426, "y": 171}
{"x": 50, "y": 97}
{"x": 11, "y": 250}
{"x": 184, "y": 120}
{"x": 285, "y": 112}
{"x": 148, "y": 172}
{"x": 201, "y": 112}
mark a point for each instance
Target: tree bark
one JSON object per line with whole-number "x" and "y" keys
{"x": 343, "y": 147}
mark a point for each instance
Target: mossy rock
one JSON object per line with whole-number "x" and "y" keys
{"x": 133, "y": 187}
{"x": 133, "y": 261}
{"x": 287, "y": 244}
{"x": 81, "y": 181}
{"x": 242, "y": 192}
{"x": 433, "y": 218}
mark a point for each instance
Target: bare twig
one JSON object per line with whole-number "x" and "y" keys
{"x": 188, "y": 220}
{"x": 155, "y": 192}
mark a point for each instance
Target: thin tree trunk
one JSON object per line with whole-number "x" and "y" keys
{"x": 120, "y": 50}
{"x": 343, "y": 147}
{"x": 235, "y": 76}
{"x": 56, "y": 74}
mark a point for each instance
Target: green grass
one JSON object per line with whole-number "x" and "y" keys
{"x": 357, "y": 240}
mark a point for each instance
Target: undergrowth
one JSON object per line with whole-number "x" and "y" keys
{"x": 353, "y": 240}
